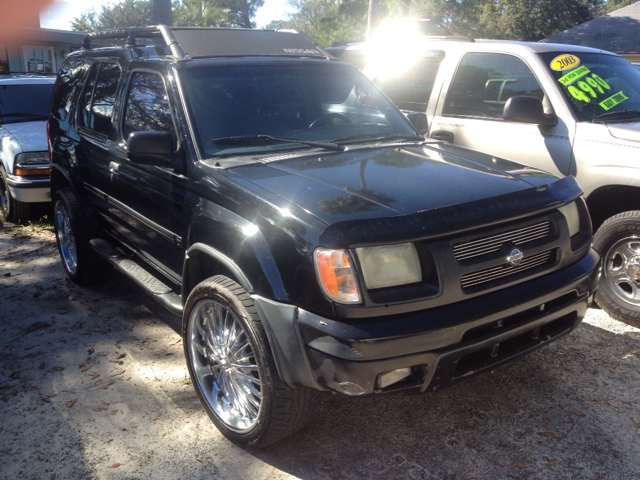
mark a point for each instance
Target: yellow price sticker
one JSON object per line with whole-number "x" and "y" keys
{"x": 613, "y": 100}
{"x": 573, "y": 75}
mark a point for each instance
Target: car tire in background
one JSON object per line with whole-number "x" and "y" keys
{"x": 73, "y": 232}
{"x": 232, "y": 367}
{"x": 12, "y": 210}
{"x": 618, "y": 242}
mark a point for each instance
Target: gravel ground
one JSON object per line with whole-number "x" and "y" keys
{"x": 93, "y": 384}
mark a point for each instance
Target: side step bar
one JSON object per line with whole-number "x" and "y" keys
{"x": 161, "y": 292}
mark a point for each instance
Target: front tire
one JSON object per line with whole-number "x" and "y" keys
{"x": 232, "y": 367}
{"x": 73, "y": 231}
{"x": 12, "y": 210}
{"x": 618, "y": 242}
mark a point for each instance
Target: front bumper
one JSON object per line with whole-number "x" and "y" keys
{"x": 29, "y": 190}
{"x": 440, "y": 346}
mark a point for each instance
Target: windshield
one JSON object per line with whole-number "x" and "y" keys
{"x": 24, "y": 103}
{"x": 312, "y": 103}
{"x": 597, "y": 86}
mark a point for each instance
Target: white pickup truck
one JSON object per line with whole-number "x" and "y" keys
{"x": 24, "y": 161}
{"x": 565, "y": 109}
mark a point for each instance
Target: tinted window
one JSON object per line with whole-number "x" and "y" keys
{"x": 104, "y": 97}
{"x": 485, "y": 81}
{"x": 88, "y": 93}
{"x": 147, "y": 105}
{"x": 24, "y": 103}
{"x": 69, "y": 78}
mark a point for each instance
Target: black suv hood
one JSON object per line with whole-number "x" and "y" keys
{"x": 390, "y": 181}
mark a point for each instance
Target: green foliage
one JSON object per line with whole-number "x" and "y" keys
{"x": 195, "y": 13}
{"x": 327, "y": 21}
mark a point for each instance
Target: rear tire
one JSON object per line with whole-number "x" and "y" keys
{"x": 12, "y": 210}
{"x": 73, "y": 231}
{"x": 618, "y": 242}
{"x": 232, "y": 367}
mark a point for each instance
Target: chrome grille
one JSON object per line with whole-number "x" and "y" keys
{"x": 493, "y": 243}
{"x": 493, "y": 273}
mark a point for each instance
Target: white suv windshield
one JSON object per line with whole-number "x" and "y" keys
{"x": 312, "y": 103}
{"x": 24, "y": 103}
{"x": 599, "y": 87}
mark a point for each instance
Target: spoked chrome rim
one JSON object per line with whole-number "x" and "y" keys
{"x": 66, "y": 240}
{"x": 622, "y": 269}
{"x": 224, "y": 364}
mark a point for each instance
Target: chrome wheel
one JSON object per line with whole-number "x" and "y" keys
{"x": 66, "y": 240}
{"x": 4, "y": 198}
{"x": 224, "y": 364}
{"x": 622, "y": 269}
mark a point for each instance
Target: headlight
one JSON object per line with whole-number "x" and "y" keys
{"x": 570, "y": 212}
{"x": 336, "y": 276}
{"x": 389, "y": 265}
{"x": 33, "y": 158}
{"x": 35, "y": 163}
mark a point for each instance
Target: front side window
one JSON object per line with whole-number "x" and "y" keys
{"x": 598, "y": 87}
{"x": 147, "y": 107}
{"x": 310, "y": 102}
{"x": 410, "y": 89}
{"x": 485, "y": 81}
{"x": 99, "y": 97}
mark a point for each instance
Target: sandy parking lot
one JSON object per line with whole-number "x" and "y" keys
{"x": 93, "y": 384}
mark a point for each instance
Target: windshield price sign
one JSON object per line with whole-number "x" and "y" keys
{"x": 564, "y": 62}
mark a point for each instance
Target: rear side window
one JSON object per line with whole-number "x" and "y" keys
{"x": 147, "y": 107}
{"x": 69, "y": 79}
{"x": 485, "y": 81}
{"x": 412, "y": 88}
{"x": 100, "y": 96}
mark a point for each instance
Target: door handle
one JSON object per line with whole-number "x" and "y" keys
{"x": 443, "y": 135}
{"x": 114, "y": 167}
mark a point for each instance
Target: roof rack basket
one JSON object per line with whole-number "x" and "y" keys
{"x": 144, "y": 32}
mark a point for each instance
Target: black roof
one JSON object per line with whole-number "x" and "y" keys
{"x": 193, "y": 42}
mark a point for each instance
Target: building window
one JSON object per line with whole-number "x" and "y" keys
{"x": 39, "y": 59}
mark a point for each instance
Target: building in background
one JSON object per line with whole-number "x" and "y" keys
{"x": 617, "y": 32}
{"x": 35, "y": 49}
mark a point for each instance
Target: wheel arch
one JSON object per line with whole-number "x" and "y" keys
{"x": 610, "y": 200}
{"x": 203, "y": 261}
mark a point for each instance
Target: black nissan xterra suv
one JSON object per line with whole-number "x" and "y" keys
{"x": 309, "y": 237}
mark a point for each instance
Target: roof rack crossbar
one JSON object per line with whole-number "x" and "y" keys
{"x": 130, "y": 33}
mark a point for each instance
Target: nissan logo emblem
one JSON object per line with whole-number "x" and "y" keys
{"x": 515, "y": 257}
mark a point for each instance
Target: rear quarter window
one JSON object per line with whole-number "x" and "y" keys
{"x": 68, "y": 84}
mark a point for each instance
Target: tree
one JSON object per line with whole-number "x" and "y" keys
{"x": 129, "y": 13}
{"x": 200, "y": 13}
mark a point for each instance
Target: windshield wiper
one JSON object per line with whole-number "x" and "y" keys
{"x": 621, "y": 112}
{"x": 379, "y": 136}
{"x": 245, "y": 139}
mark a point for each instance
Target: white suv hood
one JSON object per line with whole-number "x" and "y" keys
{"x": 628, "y": 131}
{"x": 31, "y": 136}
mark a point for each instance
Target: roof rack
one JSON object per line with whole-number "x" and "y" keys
{"x": 187, "y": 43}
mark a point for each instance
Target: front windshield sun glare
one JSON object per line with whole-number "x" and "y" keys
{"x": 265, "y": 109}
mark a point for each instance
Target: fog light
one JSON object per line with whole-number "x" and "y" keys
{"x": 389, "y": 378}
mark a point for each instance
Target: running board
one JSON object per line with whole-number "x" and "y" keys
{"x": 161, "y": 292}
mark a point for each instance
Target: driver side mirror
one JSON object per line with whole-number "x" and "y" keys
{"x": 418, "y": 120}
{"x": 526, "y": 109}
{"x": 151, "y": 148}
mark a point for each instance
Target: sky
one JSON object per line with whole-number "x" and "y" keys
{"x": 60, "y": 13}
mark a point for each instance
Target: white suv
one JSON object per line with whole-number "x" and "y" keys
{"x": 565, "y": 109}
{"x": 24, "y": 161}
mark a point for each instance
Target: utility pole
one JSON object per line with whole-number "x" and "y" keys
{"x": 369, "y": 19}
{"x": 161, "y": 13}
